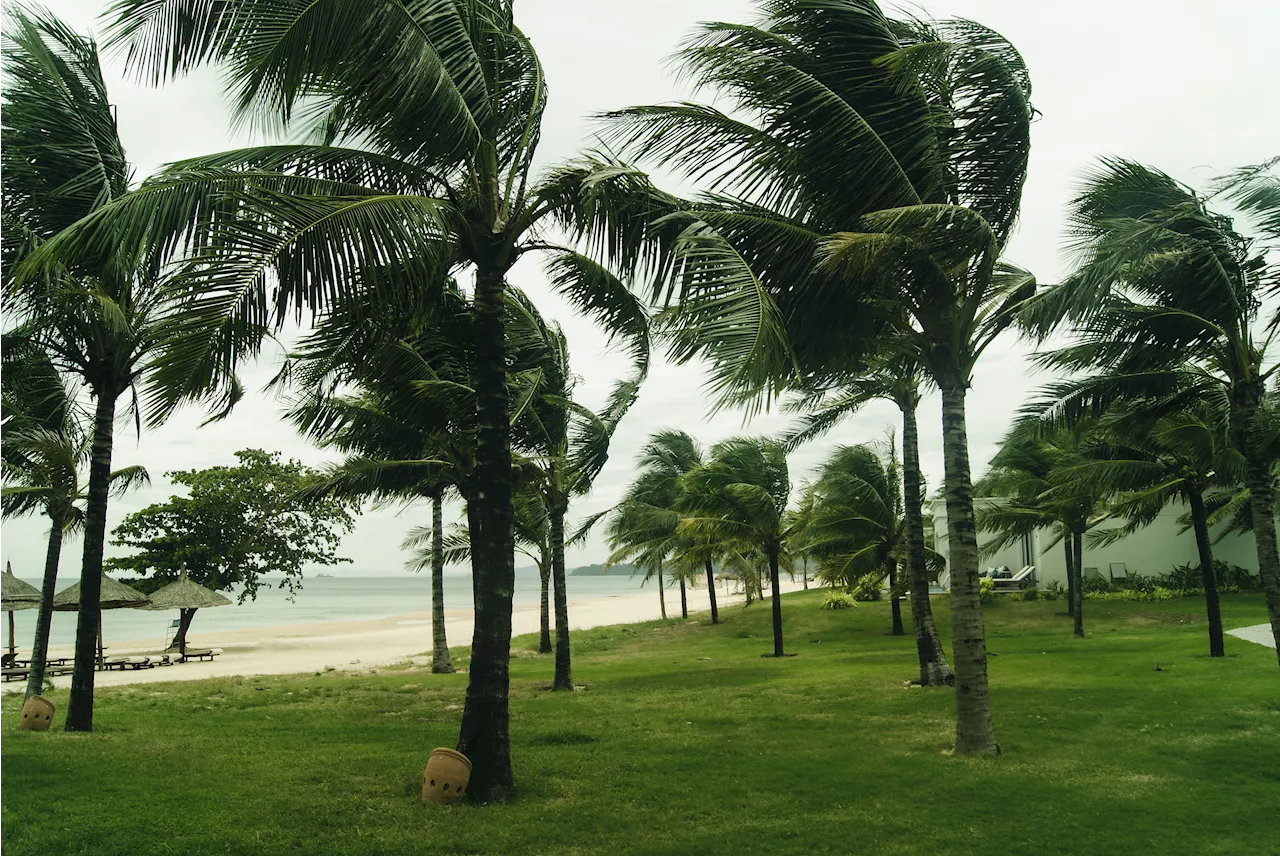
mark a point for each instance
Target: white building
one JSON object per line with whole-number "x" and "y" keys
{"x": 1152, "y": 551}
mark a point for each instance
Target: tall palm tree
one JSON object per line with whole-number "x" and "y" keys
{"x": 1164, "y": 302}
{"x": 44, "y": 453}
{"x": 97, "y": 315}
{"x": 899, "y": 380}
{"x": 1151, "y": 460}
{"x": 1027, "y": 474}
{"x": 422, "y": 123}
{"x": 858, "y": 527}
{"x": 644, "y": 526}
{"x": 893, "y": 154}
{"x": 739, "y": 498}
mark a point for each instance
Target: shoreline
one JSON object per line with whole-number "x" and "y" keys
{"x": 364, "y": 645}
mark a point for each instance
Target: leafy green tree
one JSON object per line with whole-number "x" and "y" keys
{"x": 1163, "y": 304}
{"x": 420, "y": 124}
{"x": 1028, "y": 475}
{"x": 899, "y": 380}
{"x": 43, "y": 456}
{"x": 98, "y": 315}
{"x": 739, "y": 498}
{"x": 235, "y": 524}
{"x": 891, "y": 153}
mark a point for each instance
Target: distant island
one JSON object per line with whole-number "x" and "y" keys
{"x": 325, "y": 577}
{"x": 623, "y": 569}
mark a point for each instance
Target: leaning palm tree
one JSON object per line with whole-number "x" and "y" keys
{"x": 1164, "y": 304}
{"x": 1150, "y": 460}
{"x": 739, "y": 499}
{"x": 421, "y": 123}
{"x": 97, "y": 315}
{"x": 43, "y": 456}
{"x": 897, "y": 379}
{"x": 1027, "y": 474}
{"x": 890, "y": 153}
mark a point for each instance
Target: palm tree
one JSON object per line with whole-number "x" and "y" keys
{"x": 1027, "y": 473}
{"x": 893, "y": 153}
{"x": 421, "y": 125}
{"x": 739, "y": 499}
{"x": 1164, "y": 302}
{"x": 94, "y": 312}
{"x": 644, "y": 526}
{"x": 858, "y": 527}
{"x": 44, "y": 453}
{"x": 1149, "y": 461}
{"x": 895, "y": 379}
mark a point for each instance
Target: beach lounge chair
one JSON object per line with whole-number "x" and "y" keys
{"x": 1018, "y": 581}
{"x": 15, "y": 673}
{"x": 199, "y": 654}
{"x": 123, "y": 663}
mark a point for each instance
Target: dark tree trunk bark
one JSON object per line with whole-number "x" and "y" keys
{"x": 1261, "y": 510}
{"x": 1200, "y": 522}
{"x": 564, "y": 670}
{"x": 777, "y": 602}
{"x": 711, "y": 589}
{"x": 179, "y": 643}
{"x": 805, "y": 573}
{"x": 975, "y": 733}
{"x": 544, "y": 632}
{"x": 934, "y": 669}
{"x": 684, "y": 602}
{"x": 441, "y": 664}
{"x": 662, "y": 592}
{"x": 89, "y": 618}
{"x": 1077, "y": 547}
{"x": 484, "y": 736}
{"x": 40, "y": 645}
{"x": 1069, "y": 552}
{"x": 895, "y": 608}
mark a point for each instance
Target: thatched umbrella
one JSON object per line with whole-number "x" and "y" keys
{"x": 115, "y": 595}
{"x": 186, "y": 597}
{"x": 15, "y": 595}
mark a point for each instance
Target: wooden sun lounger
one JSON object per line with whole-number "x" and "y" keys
{"x": 14, "y": 673}
{"x": 1020, "y": 580}
{"x": 199, "y": 654}
{"x": 122, "y": 663}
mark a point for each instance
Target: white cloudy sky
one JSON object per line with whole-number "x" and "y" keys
{"x": 1184, "y": 85}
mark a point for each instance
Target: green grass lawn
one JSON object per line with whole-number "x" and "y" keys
{"x": 683, "y": 739}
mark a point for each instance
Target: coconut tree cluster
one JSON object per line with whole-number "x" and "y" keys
{"x": 855, "y": 181}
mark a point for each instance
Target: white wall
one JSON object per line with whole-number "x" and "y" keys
{"x": 1151, "y": 551}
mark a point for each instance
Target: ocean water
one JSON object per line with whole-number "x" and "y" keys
{"x": 346, "y": 598}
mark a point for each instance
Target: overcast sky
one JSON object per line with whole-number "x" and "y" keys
{"x": 1187, "y": 86}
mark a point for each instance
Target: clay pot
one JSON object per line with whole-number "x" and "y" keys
{"x": 446, "y": 776}
{"x": 37, "y": 714}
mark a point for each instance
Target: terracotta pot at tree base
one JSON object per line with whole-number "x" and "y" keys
{"x": 446, "y": 777}
{"x": 37, "y": 714}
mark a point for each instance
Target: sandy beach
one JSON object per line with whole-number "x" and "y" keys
{"x": 364, "y": 645}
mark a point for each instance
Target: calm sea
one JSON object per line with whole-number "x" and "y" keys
{"x": 321, "y": 599}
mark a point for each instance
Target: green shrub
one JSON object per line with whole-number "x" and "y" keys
{"x": 987, "y": 590}
{"x": 867, "y": 588}
{"x": 838, "y": 600}
{"x": 1053, "y": 590}
{"x": 1030, "y": 593}
{"x": 1096, "y": 585}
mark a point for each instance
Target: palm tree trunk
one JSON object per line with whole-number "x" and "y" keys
{"x": 40, "y": 645}
{"x": 895, "y": 608}
{"x": 1258, "y": 478}
{"x": 975, "y": 733}
{"x": 1200, "y": 522}
{"x": 777, "y": 602}
{"x": 89, "y": 618}
{"x": 711, "y": 589}
{"x": 662, "y": 594}
{"x": 440, "y": 662}
{"x": 684, "y": 603}
{"x": 805, "y": 573}
{"x": 934, "y": 669}
{"x": 544, "y": 632}
{"x": 564, "y": 673}
{"x": 1069, "y": 549}
{"x": 1077, "y": 547}
{"x": 483, "y": 736}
